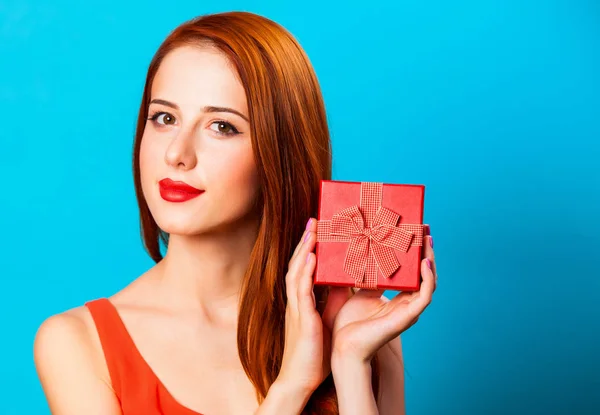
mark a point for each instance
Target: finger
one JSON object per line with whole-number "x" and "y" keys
{"x": 308, "y": 242}
{"x": 298, "y": 262}
{"x": 306, "y": 299}
{"x": 422, "y": 298}
{"x": 429, "y": 254}
{"x": 335, "y": 300}
{"x": 407, "y": 307}
{"x": 308, "y": 228}
{"x": 428, "y": 247}
{"x": 295, "y": 253}
{"x": 399, "y": 319}
{"x": 403, "y": 297}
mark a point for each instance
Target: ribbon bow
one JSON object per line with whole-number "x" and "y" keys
{"x": 373, "y": 234}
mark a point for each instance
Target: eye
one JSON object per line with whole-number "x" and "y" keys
{"x": 224, "y": 128}
{"x": 162, "y": 118}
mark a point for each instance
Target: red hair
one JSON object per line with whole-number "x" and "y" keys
{"x": 292, "y": 149}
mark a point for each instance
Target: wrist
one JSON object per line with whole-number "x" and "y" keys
{"x": 353, "y": 384}
{"x": 296, "y": 390}
{"x": 348, "y": 360}
{"x": 350, "y": 364}
{"x": 284, "y": 398}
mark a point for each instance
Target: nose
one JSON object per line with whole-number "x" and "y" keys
{"x": 181, "y": 152}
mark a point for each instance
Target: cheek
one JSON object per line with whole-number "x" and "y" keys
{"x": 149, "y": 162}
{"x": 236, "y": 175}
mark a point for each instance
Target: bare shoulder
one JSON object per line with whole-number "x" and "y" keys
{"x": 66, "y": 332}
{"x": 69, "y": 362}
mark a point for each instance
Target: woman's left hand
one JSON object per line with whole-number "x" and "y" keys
{"x": 362, "y": 323}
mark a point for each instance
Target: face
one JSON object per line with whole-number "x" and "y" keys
{"x": 197, "y": 134}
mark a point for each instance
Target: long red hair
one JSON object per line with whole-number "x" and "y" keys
{"x": 292, "y": 150}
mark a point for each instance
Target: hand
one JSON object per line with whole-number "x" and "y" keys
{"x": 306, "y": 355}
{"x": 362, "y": 323}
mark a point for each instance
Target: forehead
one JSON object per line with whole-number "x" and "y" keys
{"x": 194, "y": 76}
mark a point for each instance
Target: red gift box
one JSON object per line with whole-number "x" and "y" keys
{"x": 370, "y": 235}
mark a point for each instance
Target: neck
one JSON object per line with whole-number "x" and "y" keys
{"x": 204, "y": 272}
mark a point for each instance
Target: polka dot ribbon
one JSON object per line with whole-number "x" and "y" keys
{"x": 373, "y": 233}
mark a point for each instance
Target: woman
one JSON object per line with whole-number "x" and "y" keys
{"x": 231, "y": 144}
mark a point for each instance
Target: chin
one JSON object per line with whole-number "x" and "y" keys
{"x": 177, "y": 222}
{"x": 201, "y": 226}
{"x": 186, "y": 229}
{"x": 188, "y": 226}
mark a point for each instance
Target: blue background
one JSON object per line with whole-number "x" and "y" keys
{"x": 493, "y": 105}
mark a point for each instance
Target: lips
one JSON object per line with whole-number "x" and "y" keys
{"x": 177, "y": 191}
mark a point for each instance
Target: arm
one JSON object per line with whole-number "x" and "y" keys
{"x": 353, "y": 383}
{"x": 353, "y": 386}
{"x": 283, "y": 399}
{"x": 391, "y": 399}
{"x": 356, "y": 339}
{"x": 64, "y": 361}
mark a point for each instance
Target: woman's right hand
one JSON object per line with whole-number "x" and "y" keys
{"x": 306, "y": 355}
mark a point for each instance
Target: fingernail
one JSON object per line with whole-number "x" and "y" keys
{"x": 428, "y": 263}
{"x": 308, "y": 223}
{"x": 431, "y": 241}
{"x": 307, "y": 257}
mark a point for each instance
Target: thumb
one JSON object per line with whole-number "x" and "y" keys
{"x": 335, "y": 300}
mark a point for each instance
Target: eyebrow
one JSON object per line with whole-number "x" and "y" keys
{"x": 208, "y": 108}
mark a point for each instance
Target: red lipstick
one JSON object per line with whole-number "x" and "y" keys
{"x": 173, "y": 191}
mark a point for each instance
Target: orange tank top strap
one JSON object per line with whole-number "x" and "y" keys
{"x": 122, "y": 358}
